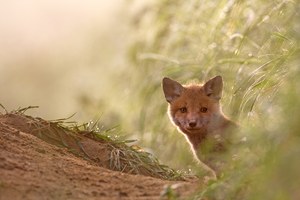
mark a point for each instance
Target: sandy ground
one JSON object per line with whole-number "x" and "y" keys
{"x": 31, "y": 168}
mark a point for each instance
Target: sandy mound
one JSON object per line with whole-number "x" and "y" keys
{"x": 36, "y": 164}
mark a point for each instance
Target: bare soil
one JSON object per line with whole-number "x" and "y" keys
{"x": 31, "y": 168}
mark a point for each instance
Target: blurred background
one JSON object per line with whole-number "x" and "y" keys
{"x": 105, "y": 60}
{"x": 53, "y": 53}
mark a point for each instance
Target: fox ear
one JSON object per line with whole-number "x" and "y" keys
{"x": 172, "y": 89}
{"x": 213, "y": 88}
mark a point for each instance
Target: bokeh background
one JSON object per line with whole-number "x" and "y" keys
{"x": 104, "y": 60}
{"x": 55, "y": 52}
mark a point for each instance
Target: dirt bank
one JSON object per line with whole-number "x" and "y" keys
{"x": 31, "y": 168}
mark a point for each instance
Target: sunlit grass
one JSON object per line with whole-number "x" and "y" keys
{"x": 248, "y": 43}
{"x": 254, "y": 45}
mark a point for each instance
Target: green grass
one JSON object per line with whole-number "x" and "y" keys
{"x": 254, "y": 45}
{"x": 248, "y": 43}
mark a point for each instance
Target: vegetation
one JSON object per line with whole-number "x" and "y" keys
{"x": 254, "y": 45}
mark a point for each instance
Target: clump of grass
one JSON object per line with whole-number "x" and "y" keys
{"x": 124, "y": 157}
{"x": 115, "y": 152}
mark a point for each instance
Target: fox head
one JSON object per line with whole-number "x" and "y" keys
{"x": 194, "y": 108}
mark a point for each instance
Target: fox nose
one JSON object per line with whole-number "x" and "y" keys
{"x": 192, "y": 124}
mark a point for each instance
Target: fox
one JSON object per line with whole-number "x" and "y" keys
{"x": 196, "y": 112}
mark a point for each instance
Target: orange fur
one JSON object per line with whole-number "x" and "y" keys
{"x": 195, "y": 110}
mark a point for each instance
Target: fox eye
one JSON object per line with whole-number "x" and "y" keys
{"x": 183, "y": 110}
{"x": 203, "y": 109}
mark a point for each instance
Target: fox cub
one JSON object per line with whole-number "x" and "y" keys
{"x": 195, "y": 110}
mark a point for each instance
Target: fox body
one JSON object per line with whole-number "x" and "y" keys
{"x": 195, "y": 110}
